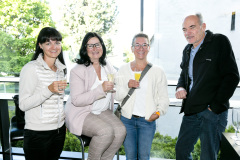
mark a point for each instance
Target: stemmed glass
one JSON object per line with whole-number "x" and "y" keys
{"x": 235, "y": 117}
{"x": 110, "y": 77}
{"x": 237, "y": 141}
{"x": 62, "y": 78}
{"x": 137, "y": 75}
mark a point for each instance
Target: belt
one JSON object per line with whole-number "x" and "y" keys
{"x": 190, "y": 114}
{"x": 135, "y": 116}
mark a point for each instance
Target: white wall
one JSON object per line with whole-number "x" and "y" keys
{"x": 168, "y": 37}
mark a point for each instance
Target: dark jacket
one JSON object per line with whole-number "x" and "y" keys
{"x": 215, "y": 75}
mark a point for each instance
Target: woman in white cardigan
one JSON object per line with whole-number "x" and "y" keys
{"x": 148, "y": 101}
{"x": 89, "y": 109}
{"x": 41, "y": 98}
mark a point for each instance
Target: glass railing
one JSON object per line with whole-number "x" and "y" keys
{"x": 167, "y": 125}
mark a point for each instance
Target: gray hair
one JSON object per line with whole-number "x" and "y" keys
{"x": 140, "y": 35}
{"x": 200, "y": 19}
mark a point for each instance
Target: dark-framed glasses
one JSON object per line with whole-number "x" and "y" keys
{"x": 138, "y": 46}
{"x": 90, "y": 46}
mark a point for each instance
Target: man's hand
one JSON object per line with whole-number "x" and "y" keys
{"x": 181, "y": 93}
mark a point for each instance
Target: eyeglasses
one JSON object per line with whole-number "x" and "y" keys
{"x": 138, "y": 46}
{"x": 90, "y": 46}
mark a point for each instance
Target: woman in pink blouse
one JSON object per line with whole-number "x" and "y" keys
{"x": 89, "y": 109}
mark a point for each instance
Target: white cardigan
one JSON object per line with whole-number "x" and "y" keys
{"x": 43, "y": 109}
{"x": 156, "y": 96}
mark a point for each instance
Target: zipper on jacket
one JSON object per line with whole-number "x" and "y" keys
{"x": 57, "y": 76}
{"x": 58, "y": 113}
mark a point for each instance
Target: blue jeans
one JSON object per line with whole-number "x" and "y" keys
{"x": 139, "y": 138}
{"x": 205, "y": 125}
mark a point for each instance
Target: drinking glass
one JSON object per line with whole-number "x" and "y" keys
{"x": 110, "y": 77}
{"x": 137, "y": 75}
{"x": 237, "y": 141}
{"x": 235, "y": 117}
{"x": 62, "y": 78}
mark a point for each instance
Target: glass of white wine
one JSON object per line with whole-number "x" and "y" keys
{"x": 110, "y": 77}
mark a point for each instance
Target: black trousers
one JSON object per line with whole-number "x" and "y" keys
{"x": 44, "y": 145}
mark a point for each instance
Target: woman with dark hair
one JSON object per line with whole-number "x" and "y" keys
{"x": 89, "y": 109}
{"x": 41, "y": 96}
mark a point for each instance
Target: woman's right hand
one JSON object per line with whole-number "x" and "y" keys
{"x": 56, "y": 85}
{"x": 107, "y": 86}
{"x": 133, "y": 83}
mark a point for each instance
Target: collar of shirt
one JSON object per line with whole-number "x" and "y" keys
{"x": 194, "y": 50}
{"x": 192, "y": 55}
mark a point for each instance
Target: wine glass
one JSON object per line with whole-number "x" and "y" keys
{"x": 235, "y": 124}
{"x": 63, "y": 78}
{"x": 237, "y": 141}
{"x": 137, "y": 75}
{"x": 110, "y": 77}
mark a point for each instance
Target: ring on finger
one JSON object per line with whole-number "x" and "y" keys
{"x": 59, "y": 88}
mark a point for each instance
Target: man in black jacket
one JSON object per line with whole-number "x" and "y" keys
{"x": 207, "y": 81}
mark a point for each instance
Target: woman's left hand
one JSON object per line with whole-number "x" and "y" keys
{"x": 153, "y": 117}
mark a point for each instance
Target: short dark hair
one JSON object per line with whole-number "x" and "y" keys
{"x": 140, "y": 35}
{"x": 84, "y": 58}
{"x": 45, "y": 35}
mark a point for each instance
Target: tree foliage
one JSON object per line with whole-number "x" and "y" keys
{"x": 128, "y": 56}
{"x": 82, "y": 16}
{"x": 20, "y": 23}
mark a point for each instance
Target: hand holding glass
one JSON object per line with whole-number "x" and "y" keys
{"x": 137, "y": 75}
{"x": 63, "y": 83}
{"x": 110, "y": 77}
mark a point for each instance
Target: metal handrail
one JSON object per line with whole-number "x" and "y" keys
{"x": 9, "y": 79}
{"x": 173, "y": 101}
{"x": 16, "y": 79}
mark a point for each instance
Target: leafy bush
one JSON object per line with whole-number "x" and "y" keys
{"x": 72, "y": 143}
{"x": 121, "y": 150}
{"x": 163, "y": 146}
{"x": 230, "y": 129}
